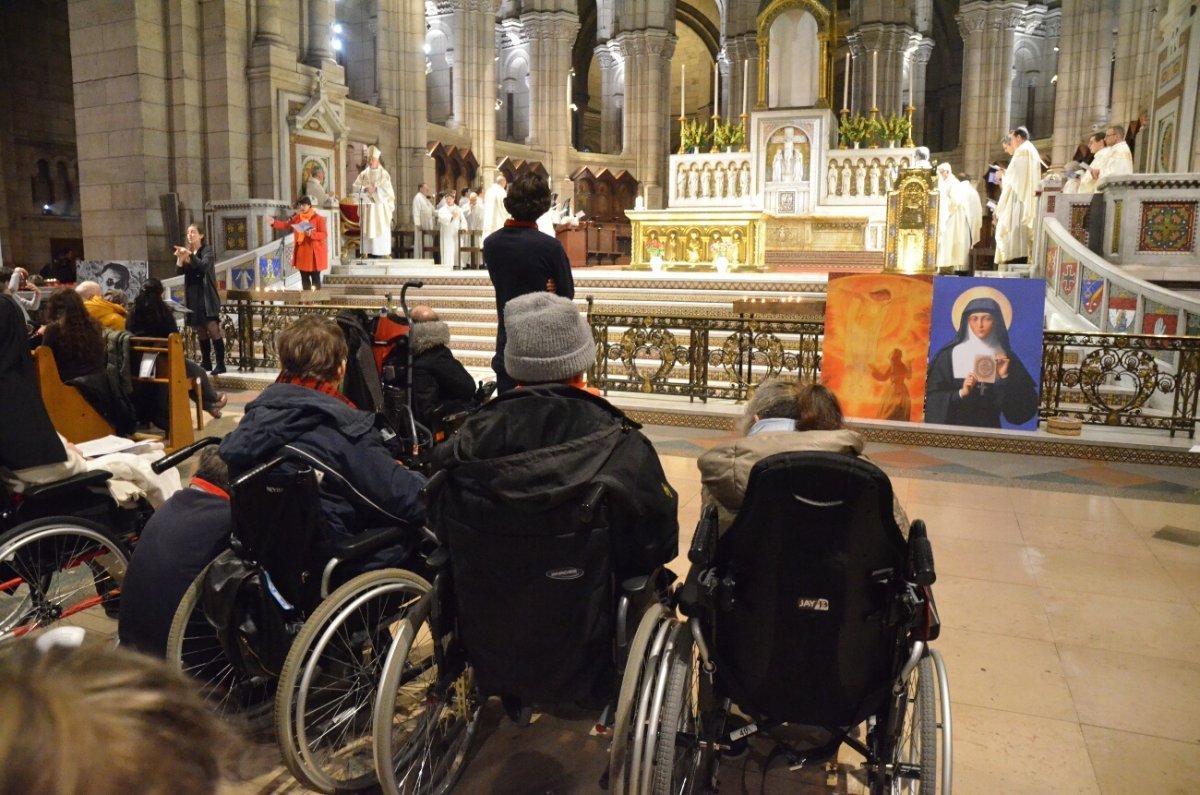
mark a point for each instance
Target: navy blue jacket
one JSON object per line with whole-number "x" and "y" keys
{"x": 363, "y": 486}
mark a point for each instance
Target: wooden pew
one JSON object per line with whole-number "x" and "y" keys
{"x": 170, "y": 371}
{"x": 69, "y": 411}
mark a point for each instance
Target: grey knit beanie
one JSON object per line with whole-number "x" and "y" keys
{"x": 548, "y": 340}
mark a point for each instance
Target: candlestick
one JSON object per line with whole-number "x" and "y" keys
{"x": 745, "y": 83}
{"x": 716, "y": 120}
{"x": 716, "y": 90}
{"x": 874, "y": 77}
{"x": 682, "y": 83}
{"x": 846, "y": 84}
{"x": 745, "y": 131}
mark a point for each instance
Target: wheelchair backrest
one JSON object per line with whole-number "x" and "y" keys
{"x": 805, "y": 626}
{"x": 277, "y": 525}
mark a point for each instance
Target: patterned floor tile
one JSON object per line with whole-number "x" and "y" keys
{"x": 1109, "y": 476}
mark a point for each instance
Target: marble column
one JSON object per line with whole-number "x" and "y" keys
{"x": 1133, "y": 82}
{"x": 270, "y": 25}
{"x": 551, "y": 35}
{"x": 401, "y": 66}
{"x": 919, "y": 63}
{"x": 647, "y": 108}
{"x": 738, "y": 50}
{"x": 1084, "y": 64}
{"x": 320, "y": 20}
{"x": 609, "y": 59}
{"x": 479, "y": 92}
{"x": 988, "y": 32}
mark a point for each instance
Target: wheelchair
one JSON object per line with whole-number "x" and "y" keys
{"x": 811, "y": 612}
{"x": 288, "y": 628}
{"x": 64, "y": 550}
{"x": 512, "y": 614}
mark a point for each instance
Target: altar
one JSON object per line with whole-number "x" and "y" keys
{"x": 791, "y": 191}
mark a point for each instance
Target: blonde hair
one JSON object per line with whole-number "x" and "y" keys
{"x": 100, "y": 721}
{"x": 312, "y": 347}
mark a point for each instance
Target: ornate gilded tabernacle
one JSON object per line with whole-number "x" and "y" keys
{"x": 725, "y": 240}
{"x": 912, "y": 223}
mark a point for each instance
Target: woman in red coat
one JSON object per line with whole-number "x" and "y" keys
{"x": 308, "y": 229}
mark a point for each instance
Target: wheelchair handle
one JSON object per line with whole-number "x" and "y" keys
{"x": 587, "y": 511}
{"x": 404, "y": 293}
{"x": 702, "y": 541}
{"x": 255, "y": 472}
{"x": 921, "y": 554}
{"x": 432, "y": 487}
{"x": 179, "y": 456}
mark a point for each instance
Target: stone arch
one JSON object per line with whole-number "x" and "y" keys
{"x": 769, "y": 12}
{"x": 512, "y": 117}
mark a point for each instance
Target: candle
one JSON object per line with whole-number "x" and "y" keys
{"x": 874, "y": 77}
{"x": 912, "y": 97}
{"x": 716, "y": 89}
{"x": 745, "y": 83}
{"x": 846, "y": 84}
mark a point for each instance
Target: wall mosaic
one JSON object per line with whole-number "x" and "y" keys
{"x": 1168, "y": 227}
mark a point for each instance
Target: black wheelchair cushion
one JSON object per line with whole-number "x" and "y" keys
{"x": 805, "y": 630}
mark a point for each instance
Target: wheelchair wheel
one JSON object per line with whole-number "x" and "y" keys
{"x": 638, "y": 667}
{"x": 194, "y": 649}
{"x": 677, "y": 754}
{"x": 425, "y": 717}
{"x": 60, "y": 570}
{"x": 327, "y": 689}
{"x": 913, "y": 760}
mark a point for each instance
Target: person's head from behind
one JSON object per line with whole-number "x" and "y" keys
{"x": 1020, "y": 136}
{"x": 548, "y": 340}
{"x": 114, "y": 276}
{"x": 922, "y": 153}
{"x": 428, "y": 330}
{"x": 211, "y": 468}
{"x": 88, "y": 290}
{"x": 944, "y": 172}
{"x": 313, "y": 347}
{"x": 100, "y": 721}
{"x": 118, "y": 297}
{"x": 813, "y": 407}
{"x": 65, "y": 307}
{"x": 528, "y": 197}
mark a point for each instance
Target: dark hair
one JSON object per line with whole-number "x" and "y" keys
{"x": 78, "y": 335}
{"x": 814, "y": 407}
{"x": 212, "y": 468}
{"x": 119, "y": 269}
{"x": 199, "y": 229}
{"x": 819, "y": 409}
{"x": 528, "y": 197}
{"x": 1023, "y": 132}
{"x": 302, "y": 199}
{"x": 149, "y": 310}
{"x": 1098, "y": 137}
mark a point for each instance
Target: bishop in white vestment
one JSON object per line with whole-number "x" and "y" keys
{"x": 1017, "y": 208}
{"x": 378, "y": 208}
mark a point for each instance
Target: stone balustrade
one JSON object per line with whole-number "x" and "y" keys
{"x": 1150, "y": 225}
{"x": 719, "y": 180}
{"x": 860, "y": 177}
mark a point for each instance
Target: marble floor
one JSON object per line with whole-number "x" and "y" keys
{"x": 1069, "y": 594}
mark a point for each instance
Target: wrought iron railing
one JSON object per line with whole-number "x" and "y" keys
{"x": 1129, "y": 380}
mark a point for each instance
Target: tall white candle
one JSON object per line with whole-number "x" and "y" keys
{"x": 682, "y": 83}
{"x": 874, "y": 77}
{"x": 745, "y": 83}
{"x": 846, "y": 85}
{"x": 912, "y": 98}
{"x": 716, "y": 90}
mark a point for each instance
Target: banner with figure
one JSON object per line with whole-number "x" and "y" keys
{"x": 876, "y": 344}
{"x": 124, "y": 275}
{"x": 985, "y": 344}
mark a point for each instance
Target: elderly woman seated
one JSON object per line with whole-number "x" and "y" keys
{"x": 783, "y": 417}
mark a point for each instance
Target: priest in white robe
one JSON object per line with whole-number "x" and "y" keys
{"x": 450, "y": 220}
{"x": 423, "y": 219}
{"x": 1118, "y": 157}
{"x": 494, "y": 212}
{"x": 960, "y": 218}
{"x": 378, "y": 206}
{"x": 1095, "y": 145}
{"x": 1017, "y": 208}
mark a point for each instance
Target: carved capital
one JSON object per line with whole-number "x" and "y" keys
{"x": 648, "y": 42}
{"x": 972, "y": 18}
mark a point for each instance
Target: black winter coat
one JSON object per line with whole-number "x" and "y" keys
{"x": 363, "y": 486}
{"x": 534, "y": 578}
{"x": 440, "y": 380}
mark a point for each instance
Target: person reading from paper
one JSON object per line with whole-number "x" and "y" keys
{"x": 309, "y": 233}
{"x": 378, "y": 204}
{"x": 977, "y": 378}
{"x": 1017, "y": 208}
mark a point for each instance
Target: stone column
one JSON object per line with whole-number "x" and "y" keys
{"x": 270, "y": 26}
{"x": 988, "y": 31}
{"x": 401, "y": 65}
{"x": 551, "y": 34}
{"x": 738, "y": 50}
{"x": 1084, "y": 63}
{"x": 891, "y": 42}
{"x": 609, "y": 59}
{"x": 647, "y": 108}
{"x": 320, "y": 18}
{"x": 919, "y": 63}
{"x": 1136, "y": 50}
{"x": 478, "y": 58}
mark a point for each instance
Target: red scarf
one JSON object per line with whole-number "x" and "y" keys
{"x": 324, "y": 387}
{"x": 521, "y": 224}
{"x": 210, "y": 488}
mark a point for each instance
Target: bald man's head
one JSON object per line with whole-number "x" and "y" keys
{"x": 422, "y": 314}
{"x": 87, "y": 290}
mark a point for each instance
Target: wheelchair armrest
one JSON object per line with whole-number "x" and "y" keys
{"x": 920, "y": 554}
{"x": 705, "y": 539}
{"x": 929, "y": 621}
{"x": 367, "y": 543}
{"x": 60, "y": 488}
{"x": 432, "y": 487}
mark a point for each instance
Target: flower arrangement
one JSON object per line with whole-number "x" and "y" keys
{"x": 894, "y": 128}
{"x": 694, "y": 134}
{"x": 855, "y": 129}
{"x": 736, "y": 133}
{"x": 728, "y": 134}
